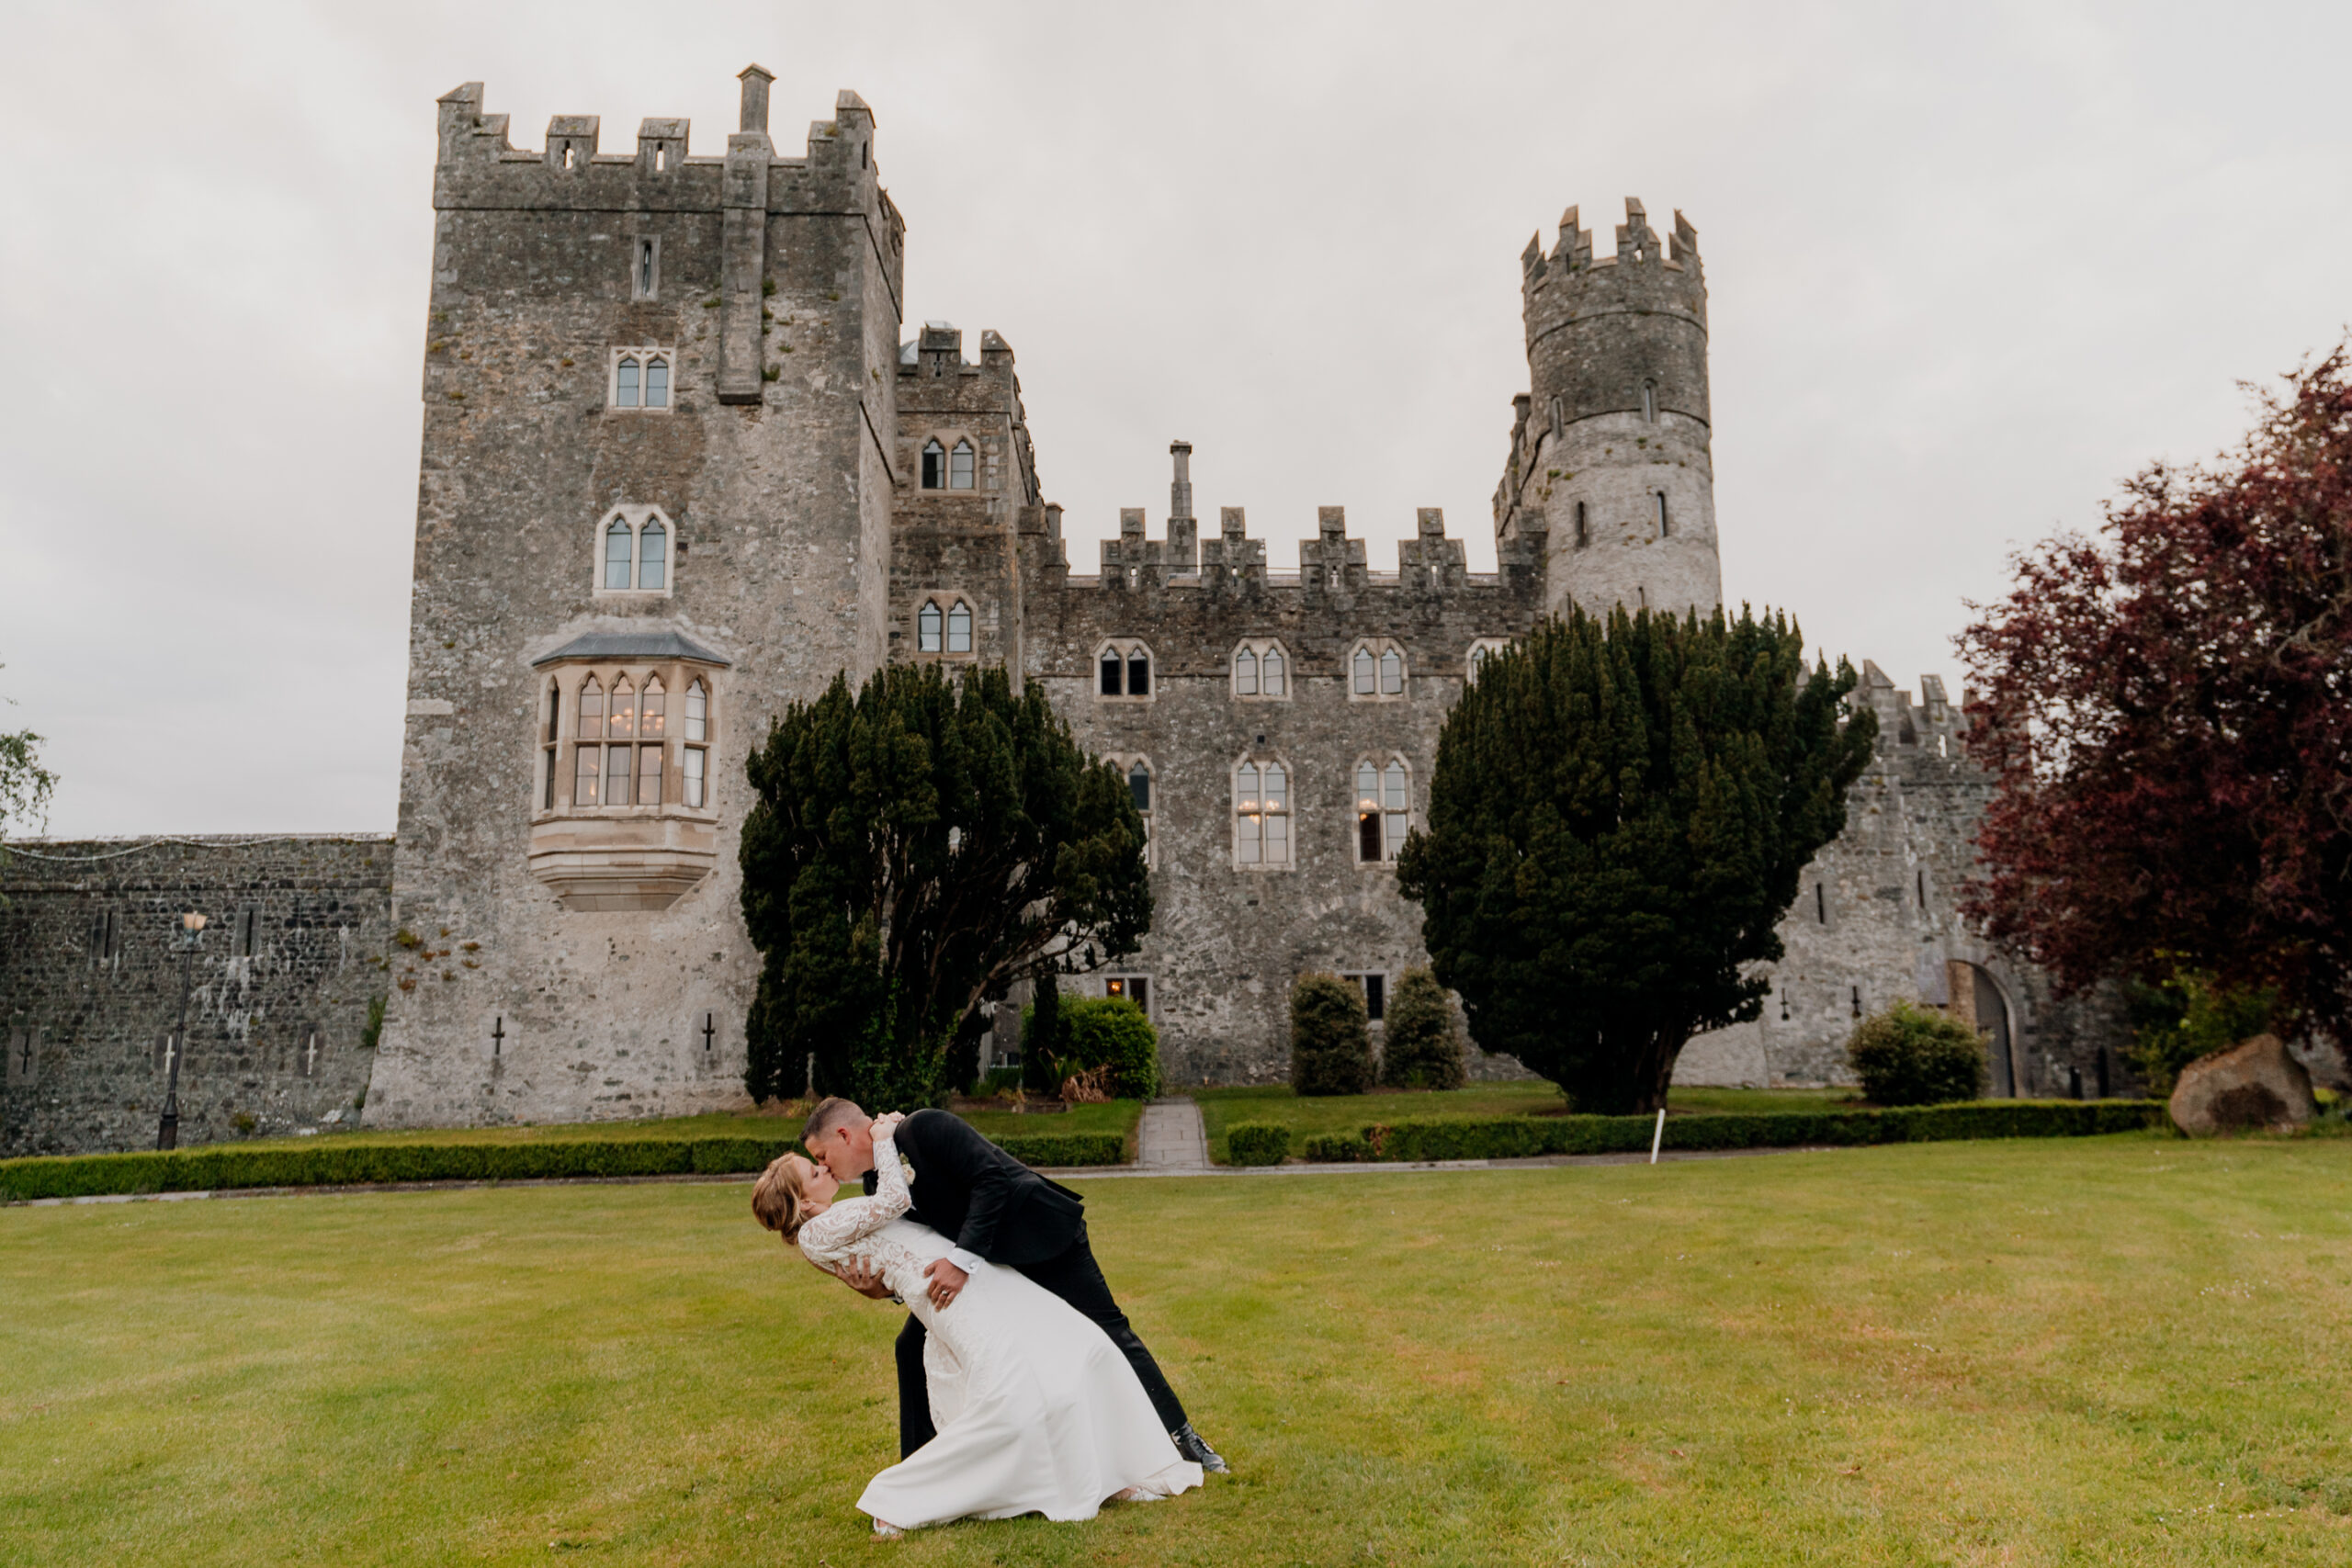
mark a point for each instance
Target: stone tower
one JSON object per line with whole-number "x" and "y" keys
{"x": 1611, "y": 457}
{"x": 654, "y": 508}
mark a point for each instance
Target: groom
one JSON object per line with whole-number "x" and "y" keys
{"x": 994, "y": 1207}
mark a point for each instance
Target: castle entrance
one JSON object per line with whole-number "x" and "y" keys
{"x": 1977, "y": 1002}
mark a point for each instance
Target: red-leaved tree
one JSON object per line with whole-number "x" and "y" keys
{"x": 2167, "y": 710}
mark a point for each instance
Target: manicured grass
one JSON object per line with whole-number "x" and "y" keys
{"x": 1116, "y": 1116}
{"x": 2121, "y": 1350}
{"x": 1220, "y": 1107}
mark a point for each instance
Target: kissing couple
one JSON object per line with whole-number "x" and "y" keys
{"x": 1021, "y": 1389}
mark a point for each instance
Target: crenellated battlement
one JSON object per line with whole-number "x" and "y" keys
{"x": 1330, "y": 564}
{"x": 1646, "y": 273}
{"x": 480, "y": 166}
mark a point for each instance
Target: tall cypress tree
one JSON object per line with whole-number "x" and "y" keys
{"x": 916, "y": 847}
{"x": 1617, "y": 816}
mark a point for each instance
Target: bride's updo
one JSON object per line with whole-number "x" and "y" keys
{"x": 778, "y": 1201}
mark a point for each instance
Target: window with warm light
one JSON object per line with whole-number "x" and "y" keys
{"x": 1384, "y": 811}
{"x": 1261, "y": 814}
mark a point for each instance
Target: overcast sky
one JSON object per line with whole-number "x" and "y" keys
{"x": 1968, "y": 267}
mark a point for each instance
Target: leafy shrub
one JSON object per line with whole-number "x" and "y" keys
{"x": 1257, "y": 1143}
{"x": 1518, "y": 1137}
{"x": 373, "y": 1030}
{"x": 1109, "y": 1033}
{"x": 1330, "y": 1042}
{"x": 1113, "y": 1033}
{"x": 1420, "y": 1046}
{"x": 2191, "y": 1015}
{"x": 342, "y": 1164}
{"x": 1913, "y": 1055}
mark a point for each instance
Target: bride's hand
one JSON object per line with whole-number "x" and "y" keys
{"x": 887, "y": 1124}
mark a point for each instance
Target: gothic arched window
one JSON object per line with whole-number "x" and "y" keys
{"x": 652, "y": 555}
{"x": 1260, "y": 671}
{"x": 617, "y": 552}
{"x": 959, "y": 627}
{"x": 1382, "y": 810}
{"x": 934, "y": 465}
{"x": 1376, "y": 670}
{"x": 927, "y": 620}
{"x": 959, "y": 466}
{"x": 1124, "y": 670}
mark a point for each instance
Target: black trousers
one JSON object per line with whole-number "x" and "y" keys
{"x": 1076, "y": 1278}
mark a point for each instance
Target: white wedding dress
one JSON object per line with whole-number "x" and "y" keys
{"x": 1036, "y": 1410}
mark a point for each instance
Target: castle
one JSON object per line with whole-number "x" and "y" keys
{"x": 680, "y": 465}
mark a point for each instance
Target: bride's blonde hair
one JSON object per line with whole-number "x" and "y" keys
{"x": 777, "y": 1200}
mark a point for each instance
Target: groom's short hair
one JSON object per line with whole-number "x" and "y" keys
{"x": 831, "y": 1113}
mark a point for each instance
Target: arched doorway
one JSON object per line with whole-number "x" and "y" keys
{"x": 1977, "y": 1002}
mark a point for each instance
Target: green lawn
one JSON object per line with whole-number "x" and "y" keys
{"x": 2120, "y": 1350}
{"x": 1117, "y": 1116}
{"x": 1220, "y": 1107}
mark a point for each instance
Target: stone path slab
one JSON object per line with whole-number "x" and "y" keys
{"x": 1170, "y": 1140}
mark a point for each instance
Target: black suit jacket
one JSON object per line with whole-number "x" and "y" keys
{"x": 992, "y": 1205}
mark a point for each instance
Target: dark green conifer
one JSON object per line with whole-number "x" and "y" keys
{"x": 1618, "y": 815}
{"x": 914, "y": 848}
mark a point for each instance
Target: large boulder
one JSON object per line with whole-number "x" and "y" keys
{"x": 2254, "y": 1083}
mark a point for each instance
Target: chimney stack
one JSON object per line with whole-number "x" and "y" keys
{"x": 755, "y": 80}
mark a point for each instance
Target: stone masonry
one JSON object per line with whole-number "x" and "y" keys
{"x": 680, "y": 468}
{"x": 291, "y": 956}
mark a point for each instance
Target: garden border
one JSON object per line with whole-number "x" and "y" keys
{"x": 1520, "y": 1137}
{"x": 229, "y": 1166}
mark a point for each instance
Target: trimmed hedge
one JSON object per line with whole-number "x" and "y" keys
{"x": 1336, "y": 1148}
{"x": 1257, "y": 1143}
{"x": 353, "y": 1164}
{"x": 1518, "y": 1137}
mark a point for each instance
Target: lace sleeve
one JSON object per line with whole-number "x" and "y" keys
{"x": 835, "y": 1232}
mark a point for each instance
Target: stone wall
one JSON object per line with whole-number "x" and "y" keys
{"x": 1877, "y": 919}
{"x": 90, "y": 976}
{"x": 1228, "y": 938}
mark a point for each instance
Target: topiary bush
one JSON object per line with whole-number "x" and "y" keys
{"x": 1420, "y": 1046}
{"x": 1257, "y": 1143}
{"x": 1913, "y": 1055}
{"x": 1330, "y": 1042}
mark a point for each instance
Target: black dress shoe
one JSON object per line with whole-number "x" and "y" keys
{"x": 1194, "y": 1446}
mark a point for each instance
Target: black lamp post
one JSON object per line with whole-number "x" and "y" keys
{"x": 167, "y": 1134}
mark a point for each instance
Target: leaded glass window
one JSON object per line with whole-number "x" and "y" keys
{"x": 652, "y": 555}
{"x": 618, "y": 546}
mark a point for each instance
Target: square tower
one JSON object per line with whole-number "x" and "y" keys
{"x": 654, "y": 508}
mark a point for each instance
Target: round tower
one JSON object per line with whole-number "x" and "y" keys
{"x": 1614, "y": 456}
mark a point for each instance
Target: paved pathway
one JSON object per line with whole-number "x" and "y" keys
{"x": 1169, "y": 1140}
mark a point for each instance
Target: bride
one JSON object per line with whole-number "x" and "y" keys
{"x": 1036, "y": 1410}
